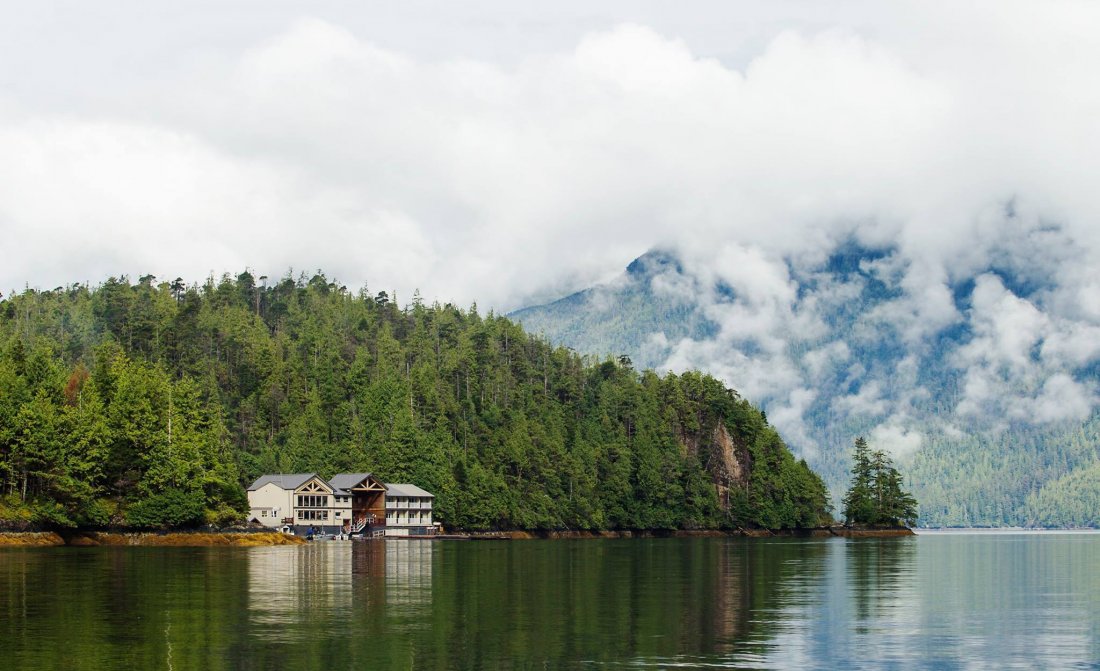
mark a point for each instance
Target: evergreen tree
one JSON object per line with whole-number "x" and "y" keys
{"x": 876, "y": 495}
{"x": 859, "y": 504}
{"x": 895, "y": 505}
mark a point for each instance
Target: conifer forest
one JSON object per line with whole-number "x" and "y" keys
{"x": 152, "y": 404}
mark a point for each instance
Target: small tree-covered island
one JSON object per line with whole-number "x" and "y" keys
{"x": 152, "y": 405}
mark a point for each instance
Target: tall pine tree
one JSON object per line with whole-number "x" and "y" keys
{"x": 876, "y": 495}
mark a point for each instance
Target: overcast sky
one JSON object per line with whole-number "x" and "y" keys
{"x": 491, "y": 152}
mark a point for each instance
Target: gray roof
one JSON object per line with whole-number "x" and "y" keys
{"x": 404, "y": 489}
{"x": 284, "y": 480}
{"x": 343, "y": 482}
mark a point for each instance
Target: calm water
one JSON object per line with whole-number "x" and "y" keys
{"x": 1028, "y": 601}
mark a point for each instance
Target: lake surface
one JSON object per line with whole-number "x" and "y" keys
{"x": 938, "y": 601}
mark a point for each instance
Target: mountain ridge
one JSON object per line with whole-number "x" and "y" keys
{"x": 880, "y": 382}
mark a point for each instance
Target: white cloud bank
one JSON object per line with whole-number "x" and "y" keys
{"x": 314, "y": 145}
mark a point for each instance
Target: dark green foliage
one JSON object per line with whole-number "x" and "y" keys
{"x": 859, "y": 500}
{"x": 168, "y": 510}
{"x": 876, "y": 495}
{"x": 165, "y": 399}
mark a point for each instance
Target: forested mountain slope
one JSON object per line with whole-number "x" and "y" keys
{"x": 152, "y": 403}
{"x": 838, "y": 362}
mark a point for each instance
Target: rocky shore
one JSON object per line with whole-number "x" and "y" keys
{"x": 173, "y": 539}
{"x": 266, "y": 538}
{"x": 818, "y": 532}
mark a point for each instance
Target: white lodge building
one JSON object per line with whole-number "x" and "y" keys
{"x": 350, "y": 503}
{"x": 408, "y": 510}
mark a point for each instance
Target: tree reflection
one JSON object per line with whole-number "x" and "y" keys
{"x": 881, "y": 576}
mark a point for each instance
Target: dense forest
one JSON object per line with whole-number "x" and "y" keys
{"x": 152, "y": 404}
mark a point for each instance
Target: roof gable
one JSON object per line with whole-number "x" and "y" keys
{"x": 314, "y": 484}
{"x": 345, "y": 482}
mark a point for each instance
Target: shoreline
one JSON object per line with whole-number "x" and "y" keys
{"x": 818, "y": 532}
{"x": 148, "y": 539}
{"x": 272, "y": 538}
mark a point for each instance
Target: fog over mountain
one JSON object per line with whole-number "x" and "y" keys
{"x": 845, "y": 326}
{"x": 984, "y": 407}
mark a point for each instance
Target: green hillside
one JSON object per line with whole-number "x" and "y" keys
{"x": 1070, "y": 501}
{"x": 150, "y": 404}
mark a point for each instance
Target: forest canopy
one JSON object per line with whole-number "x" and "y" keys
{"x": 150, "y": 404}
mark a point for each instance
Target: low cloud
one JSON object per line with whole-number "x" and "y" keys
{"x": 868, "y": 401}
{"x": 504, "y": 179}
{"x": 895, "y": 439}
{"x": 1063, "y": 398}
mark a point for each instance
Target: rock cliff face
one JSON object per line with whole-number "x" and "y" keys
{"x": 727, "y": 461}
{"x": 733, "y": 462}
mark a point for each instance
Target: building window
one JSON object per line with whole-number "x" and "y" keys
{"x": 310, "y": 501}
{"x": 263, "y": 513}
{"x": 319, "y": 515}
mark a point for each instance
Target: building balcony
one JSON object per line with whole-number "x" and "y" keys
{"x": 408, "y": 505}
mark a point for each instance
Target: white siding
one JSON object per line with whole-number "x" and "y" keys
{"x": 408, "y": 511}
{"x": 270, "y": 504}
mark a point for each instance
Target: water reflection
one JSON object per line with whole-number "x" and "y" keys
{"x": 344, "y": 584}
{"x": 1027, "y": 600}
{"x": 939, "y": 602}
{"x": 929, "y": 602}
{"x": 408, "y": 571}
{"x": 287, "y": 583}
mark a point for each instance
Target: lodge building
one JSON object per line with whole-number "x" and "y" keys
{"x": 350, "y": 503}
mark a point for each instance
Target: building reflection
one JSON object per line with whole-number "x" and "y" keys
{"x": 338, "y": 585}
{"x": 394, "y": 576}
{"x": 408, "y": 570}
